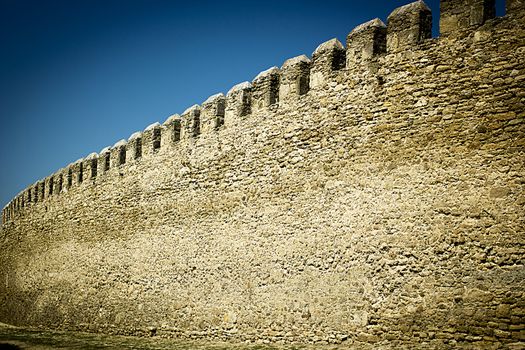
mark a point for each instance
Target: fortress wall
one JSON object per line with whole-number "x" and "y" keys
{"x": 370, "y": 194}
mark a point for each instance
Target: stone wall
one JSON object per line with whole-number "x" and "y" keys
{"x": 369, "y": 194}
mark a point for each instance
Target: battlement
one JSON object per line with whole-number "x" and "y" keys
{"x": 408, "y": 28}
{"x": 370, "y": 193}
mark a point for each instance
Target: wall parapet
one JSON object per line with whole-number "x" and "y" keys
{"x": 371, "y": 193}
{"x": 407, "y": 27}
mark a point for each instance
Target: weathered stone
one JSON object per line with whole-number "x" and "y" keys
{"x": 104, "y": 161}
{"x": 265, "y": 89}
{"x": 171, "y": 131}
{"x": 515, "y": 7}
{"x": 117, "y": 154}
{"x": 385, "y": 207}
{"x": 327, "y": 58}
{"x": 134, "y": 147}
{"x": 408, "y": 26}
{"x": 190, "y": 127}
{"x": 90, "y": 168}
{"x": 365, "y": 42}
{"x": 295, "y": 78}
{"x": 458, "y": 15}
{"x": 151, "y": 139}
{"x": 212, "y": 113}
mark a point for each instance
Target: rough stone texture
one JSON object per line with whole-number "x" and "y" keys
{"x": 238, "y": 103}
{"x": 104, "y": 160}
{"x": 170, "y": 132}
{"x": 134, "y": 146}
{"x": 387, "y": 208}
{"x": 117, "y": 157}
{"x": 457, "y": 15}
{"x": 295, "y": 77}
{"x": 515, "y": 6}
{"x": 151, "y": 139}
{"x": 190, "y": 120}
{"x": 212, "y": 113}
{"x": 265, "y": 90}
{"x": 365, "y": 41}
{"x": 408, "y": 25}
{"x": 328, "y": 57}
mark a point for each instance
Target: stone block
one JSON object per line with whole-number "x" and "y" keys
{"x": 408, "y": 25}
{"x": 34, "y": 193}
{"x": 90, "y": 167}
{"x": 170, "y": 133}
{"x": 515, "y": 7}
{"x": 365, "y": 42}
{"x": 191, "y": 122}
{"x": 238, "y": 103}
{"x": 212, "y": 113}
{"x": 77, "y": 169}
{"x": 151, "y": 139}
{"x": 327, "y": 58}
{"x": 49, "y": 183}
{"x": 134, "y": 147}
{"x": 118, "y": 154}
{"x": 59, "y": 181}
{"x": 459, "y": 15}
{"x": 265, "y": 89}
{"x": 104, "y": 160}
{"x": 40, "y": 191}
{"x": 295, "y": 78}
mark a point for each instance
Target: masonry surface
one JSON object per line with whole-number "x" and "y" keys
{"x": 370, "y": 194}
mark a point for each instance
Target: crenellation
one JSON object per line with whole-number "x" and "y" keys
{"x": 265, "y": 89}
{"x": 190, "y": 121}
{"x": 104, "y": 160}
{"x": 404, "y": 173}
{"x": 41, "y": 191}
{"x": 365, "y": 42}
{"x": 134, "y": 147}
{"x": 35, "y": 192}
{"x": 238, "y": 103}
{"x": 295, "y": 78}
{"x": 151, "y": 139}
{"x": 90, "y": 167}
{"x": 59, "y": 182}
{"x": 49, "y": 184}
{"x": 77, "y": 172}
{"x": 118, "y": 154}
{"x": 408, "y": 26}
{"x": 456, "y": 16}
{"x": 327, "y": 58}
{"x": 171, "y": 131}
{"x": 212, "y": 113}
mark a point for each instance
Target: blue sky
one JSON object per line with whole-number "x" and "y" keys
{"x": 76, "y": 76}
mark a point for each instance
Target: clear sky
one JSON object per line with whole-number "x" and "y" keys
{"x": 79, "y": 75}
